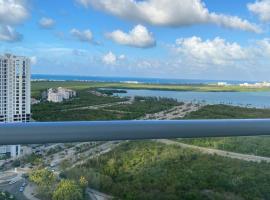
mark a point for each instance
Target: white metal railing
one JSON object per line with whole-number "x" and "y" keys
{"x": 56, "y": 132}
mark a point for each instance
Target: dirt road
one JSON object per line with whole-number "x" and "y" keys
{"x": 228, "y": 154}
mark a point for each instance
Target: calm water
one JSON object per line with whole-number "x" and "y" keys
{"x": 249, "y": 99}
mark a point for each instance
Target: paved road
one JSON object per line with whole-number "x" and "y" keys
{"x": 95, "y": 107}
{"x": 30, "y": 191}
{"x": 96, "y": 195}
{"x": 94, "y": 151}
{"x": 228, "y": 154}
{"x": 173, "y": 113}
{"x": 181, "y": 111}
{"x": 97, "y": 151}
{"x": 14, "y": 190}
{"x": 72, "y": 155}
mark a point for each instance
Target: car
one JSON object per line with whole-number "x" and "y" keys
{"x": 24, "y": 184}
{"x": 11, "y": 182}
{"x": 21, "y": 189}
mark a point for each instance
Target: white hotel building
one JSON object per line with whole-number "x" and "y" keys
{"x": 15, "y": 94}
{"x": 60, "y": 94}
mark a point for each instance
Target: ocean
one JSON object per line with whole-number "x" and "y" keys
{"x": 130, "y": 79}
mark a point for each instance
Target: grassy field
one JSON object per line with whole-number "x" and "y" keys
{"x": 38, "y": 86}
{"x": 150, "y": 170}
{"x": 250, "y": 145}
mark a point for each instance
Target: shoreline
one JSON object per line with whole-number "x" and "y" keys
{"x": 128, "y": 79}
{"x": 150, "y": 86}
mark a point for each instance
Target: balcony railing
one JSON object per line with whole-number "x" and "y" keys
{"x": 60, "y": 132}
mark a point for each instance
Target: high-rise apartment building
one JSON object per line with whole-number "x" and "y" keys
{"x": 15, "y": 94}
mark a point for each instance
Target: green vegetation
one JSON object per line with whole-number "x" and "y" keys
{"x": 86, "y": 146}
{"x": 4, "y": 157}
{"x": 49, "y": 187}
{"x": 68, "y": 190}
{"x": 74, "y": 109}
{"x": 143, "y": 105}
{"x": 33, "y": 159}
{"x": 228, "y": 112}
{"x": 16, "y": 163}
{"x": 78, "y": 109}
{"x": 76, "y": 115}
{"x": 6, "y": 196}
{"x": 110, "y": 91}
{"x": 84, "y": 98}
{"x": 65, "y": 164}
{"x": 46, "y": 182}
{"x": 39, "y": 86}
{"x": 54, "y": 150}
{"x": 258, "y": 145}
{"x": 83, "y": 183}
{"x": 151, "y": 170}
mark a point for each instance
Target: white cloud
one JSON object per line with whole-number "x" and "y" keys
{"x": 139, "y": 37}
{"x": 13, "y": 11}
{"x": 9, "y": 34}
{"x": 173, "y": 13}
{"x": 261, "y": 8}
{"x": 216, "y": 52}
{"x": 191, "y": 57}
{"x": 46, "y": 23}
{"x": 122, "y": 57}
{"x": 109, "y": 58}
{"x": 263, "y": 47}
{"x": 33, "y": 60}
{"x": 52, "y": 59}
{"x": 83, "y": 36}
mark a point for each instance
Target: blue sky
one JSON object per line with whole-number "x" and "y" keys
{"x": 149, "y": 38}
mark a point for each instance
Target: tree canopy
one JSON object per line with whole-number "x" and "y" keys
{"x": 68, "y": 190}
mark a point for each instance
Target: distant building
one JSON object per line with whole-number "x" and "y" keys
{"x": 258, "y": 85}
{"x": 15, "y": 93}
{"x": 222, "y": 83}
{"x": 264, "y": 84}
{"x": 245, "y": 84}
{"x": 60, "y": 94}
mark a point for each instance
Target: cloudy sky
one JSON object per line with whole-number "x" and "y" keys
{"x": 197, "y": 39}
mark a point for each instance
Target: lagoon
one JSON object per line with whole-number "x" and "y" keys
{"x": 244, "y": 99}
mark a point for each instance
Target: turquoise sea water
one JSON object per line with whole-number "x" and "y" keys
{"x": 130, "y": 79}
